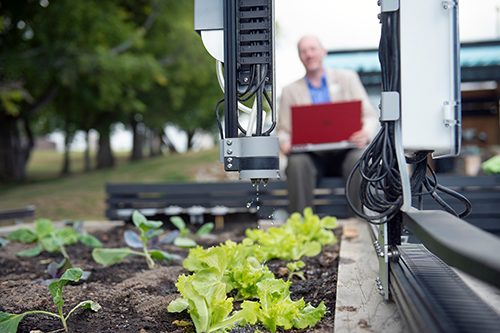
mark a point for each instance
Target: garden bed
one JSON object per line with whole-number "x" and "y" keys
{"x": 134, "y": 298}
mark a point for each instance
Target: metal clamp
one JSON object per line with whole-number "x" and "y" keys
{"x": 389, "y": 5}
{"x": 449, "y": 4}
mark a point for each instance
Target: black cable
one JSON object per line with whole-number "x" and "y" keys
{"x": 218, "y": 118}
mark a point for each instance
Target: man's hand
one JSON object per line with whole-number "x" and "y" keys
{"x": 361, "y": 138}
{"x": 286, "y": 147}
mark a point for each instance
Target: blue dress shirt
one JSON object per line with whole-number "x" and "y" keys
{"x": 319, "y": 95}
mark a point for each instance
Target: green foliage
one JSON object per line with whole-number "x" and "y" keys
{"x": 50, "y": 239}
{"x": 237, "y": 266}
{"x": 9, "y": 322}
{"x": 294, "y": 267}
{"x": 204, "y": 295}
{"x": 183, "y": 240}
{"x": 491, "y": 166}
{"x": 276, "y": 309}
{"x": 298, "y": 237}
{"x": 148, "y": 230}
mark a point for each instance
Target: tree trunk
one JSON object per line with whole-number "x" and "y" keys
{"x": 168, "y": 143}
{"x": 138, "y": 139}
{"x": 87, "y": 166}
{"x": 190, "y": 135}
{"x": 105, "y": 158}
{"x": 66, "y": 170}
{"x": 14, "y": 151}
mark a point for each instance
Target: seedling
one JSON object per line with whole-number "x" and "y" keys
{"x": 3, "y": 241}
{"x": 9, "y": 322}
{"x": 183, "y": 240}
{"x": 294, "y": 267}
{"x": 56, "y": 270}
{"x": 50, "y": 239}
{"x": 147, "y": 240}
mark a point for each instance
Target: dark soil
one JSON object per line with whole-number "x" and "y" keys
{"x": 134, "y": 298}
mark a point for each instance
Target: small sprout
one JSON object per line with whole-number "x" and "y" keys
{"x": 3, "y": 241}
{"x": 147, "y": 240}
{"x": 294, "y": 267}
{"x": 50, "y": 239}
{"x": 9, "y": 322}
{"x": 183, "y": 240}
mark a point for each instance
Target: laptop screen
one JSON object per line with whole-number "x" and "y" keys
{"x": 325, "y": 126}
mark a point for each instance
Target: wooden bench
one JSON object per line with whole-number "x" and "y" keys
{"x": 18, "y": 214}
{"x": 202, "y": 200}
{"x": 205, "y": 201}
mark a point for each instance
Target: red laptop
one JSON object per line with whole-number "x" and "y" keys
{"x": 325, "y": 126}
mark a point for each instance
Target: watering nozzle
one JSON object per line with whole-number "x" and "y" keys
{"x": 256, "y": 158}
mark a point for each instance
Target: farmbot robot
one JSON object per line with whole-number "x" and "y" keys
{"x": 420, "y": 102}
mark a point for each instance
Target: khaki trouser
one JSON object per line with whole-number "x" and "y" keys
{"x": 305, "y": 169}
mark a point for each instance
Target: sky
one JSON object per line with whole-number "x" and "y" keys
{"x": 350, "y": 25}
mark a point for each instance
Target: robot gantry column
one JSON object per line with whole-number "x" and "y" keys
{"x": 240, "y": 35}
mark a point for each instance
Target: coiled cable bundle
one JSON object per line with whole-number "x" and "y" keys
{"x": 384, "y": 174}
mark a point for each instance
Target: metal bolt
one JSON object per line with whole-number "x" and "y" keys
{"x": 229, "y": 160}
{"x": 229, "y": 142}
{"x": 229, "y": 166}
{"x": 245, "y": 80}
{"x": 229, "y": 151}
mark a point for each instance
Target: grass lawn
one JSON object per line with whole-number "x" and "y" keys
{"x": 81, "y": 196}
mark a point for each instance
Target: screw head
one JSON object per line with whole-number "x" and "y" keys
{"x": 229, "y": 142}
{"x": 229, "y": 166}
{"x": 229, "y": 160}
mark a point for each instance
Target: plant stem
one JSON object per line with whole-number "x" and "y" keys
{"x": 63, "y": 251}
{"x": 150, "y": 261}
{"x": 60, "y": 316}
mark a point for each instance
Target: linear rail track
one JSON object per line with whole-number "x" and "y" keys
{"x": 433, "y": 298}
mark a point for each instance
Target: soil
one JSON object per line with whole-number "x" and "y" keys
{"x": 134, "y": 298}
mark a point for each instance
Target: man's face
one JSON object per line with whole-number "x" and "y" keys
{"x": 311, "y": 53}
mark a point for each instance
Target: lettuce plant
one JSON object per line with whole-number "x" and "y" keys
{"x": 183, "y": 240}
{"x": 147, "y": 240}
{"x": 9, "y": 322}
{"x": 299, "y": 236}
{"x": 276, "y": 309}
{"x": 243, "y": 271}
{"x": 294, "y": 267}
{"x": 204, "y": 296}
{"x": 240, "y": 266}
{"x": 50, "y": 239}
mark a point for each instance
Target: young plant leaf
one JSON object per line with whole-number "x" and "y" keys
{"x": 94, "y": 306}
{"x": 184, "y": 242}
{"x": 44, "y": 228}
{"x": 31, "y": 252}
{"x": 108, "y": 257}
{"x": 178, "y": 222}
{"x": 23, "y": 235}
{"x": 162, "y": 255}
{"x": 138, "y": 218}
{"x": 89, "y": 240}
{"x": 143, "y": 223}
{"x": 204, "y": 229}
{"x": 132, "y": 239}
{"x": 153, "y": 232}
{"x": 169, "y": 238}
{"x": 9, "y": 322}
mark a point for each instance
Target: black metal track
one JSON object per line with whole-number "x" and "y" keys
{"x": 433, "y": 298}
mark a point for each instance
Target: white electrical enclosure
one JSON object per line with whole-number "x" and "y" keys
{"x": 430, "y": 76}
